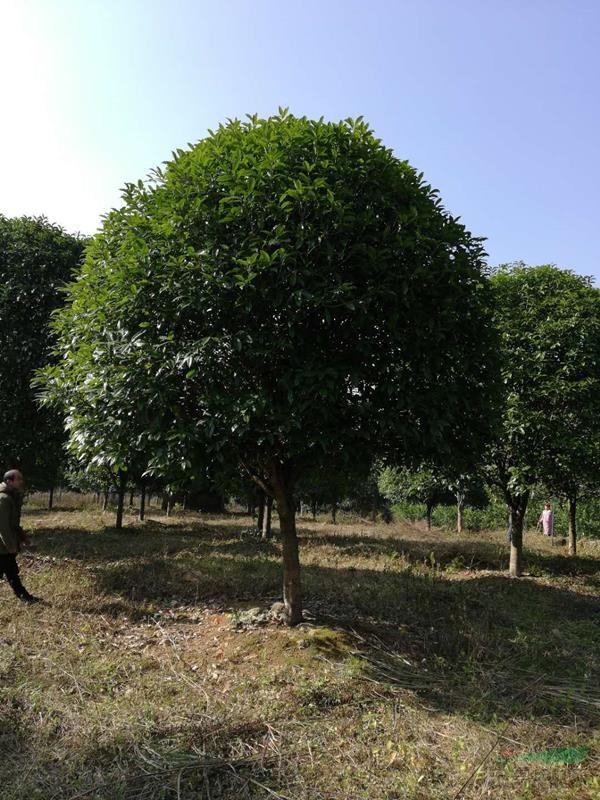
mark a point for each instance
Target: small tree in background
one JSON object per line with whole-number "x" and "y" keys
{"x": 424, "y": 486}
{"x": 468, "y": 489}
{"x": 331, "y": 484}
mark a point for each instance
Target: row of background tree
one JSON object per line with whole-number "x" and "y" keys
{"x": 38, "y": 258}
{"x": 384, "y": 493}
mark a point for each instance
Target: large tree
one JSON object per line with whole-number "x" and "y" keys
{"x": 549, "y": 323}
{"x": 286, "y": 293}
{"x": 36, "y": 260}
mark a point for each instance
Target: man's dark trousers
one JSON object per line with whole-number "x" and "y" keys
{"x": 10, "y": 568}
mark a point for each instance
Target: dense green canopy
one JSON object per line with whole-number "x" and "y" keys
{"x": 284, "y": 293}
{"x": 36, "y": 260}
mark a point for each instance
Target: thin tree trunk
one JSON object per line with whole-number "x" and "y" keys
{"x": 266, "y": 527}
{"x": 334, "y": 507}
{"x": 261, "y": 511}
{"x": 142, "y": 514}
{"x": 51, "y": 498}
{"x": 131, "y": 497}
{"x": 120, "y": 499}
{"x": 460, "y": 507}
{"x": 105, "y": 501}
{"x": 517, "y": 517}
{"x": 314, "y": 509}
{"x": 429, "y": 510}
{"x": 292, "y": 593}
{"x": 573, "y": 525}
{"x": 170, "y": 497}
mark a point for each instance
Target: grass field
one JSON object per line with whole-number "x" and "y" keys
{"x": 152, "y": 670}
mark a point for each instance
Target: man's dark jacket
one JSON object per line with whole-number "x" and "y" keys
{"x": 11, "y": 533}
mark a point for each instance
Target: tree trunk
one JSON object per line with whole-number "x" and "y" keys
{"x": 314, "y": 509}
{"x": 142, "y": 514}
{"x": 51, "y": 498}
{"x": 517, "y": 517}
{"x": 170, "y": 498}
{"x": 334, "y": 507}
{"x": 429, "y": 510}
{"x": 460, "y": 507}
{"x": 120, "y": 499}
{"x": 573, "y": 525}
{"x": 292, "y": 594}
{"x": 266, "y": 528}
{"x": 261, "y": 511}
{"x": 131, "y": 497}
{"x": 105, "y": 500}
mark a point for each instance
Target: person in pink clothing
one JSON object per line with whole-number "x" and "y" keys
{"x": 546, "y": 520}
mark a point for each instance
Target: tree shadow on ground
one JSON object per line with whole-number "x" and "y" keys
{"x": 472, "y": 554}
{"x": 479, "y": 555}
{"x": 479, "y": 640}
{"x": 473, "y": 646}
{"x": 109, "y": 544}
{"x": 156, "y": 536}
{"x": 559, "y": 564}
{"x": 205, "y": 765}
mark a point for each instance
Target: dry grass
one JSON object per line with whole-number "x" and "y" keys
{"x": 421, "y": 664}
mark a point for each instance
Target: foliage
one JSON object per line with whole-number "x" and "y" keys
{"x": 93, "y": 479}
{"x": 36, "y": 260}
{"x": 331, "y": 485}
{"x": 422, "y": 486}
{"x": 549, "y": 320}
{"x": 493, "y": 516}
{"x": 363, "y": 495}
{"x": 253, "y": 296}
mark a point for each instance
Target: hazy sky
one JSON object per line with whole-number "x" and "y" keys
{"x": 496, "y": 101}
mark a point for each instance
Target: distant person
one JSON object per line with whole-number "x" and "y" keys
{"x": 546, "y": 520}
{"x": 12, "y": 535}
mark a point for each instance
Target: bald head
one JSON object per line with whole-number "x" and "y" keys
{"x": 14, "y": 478}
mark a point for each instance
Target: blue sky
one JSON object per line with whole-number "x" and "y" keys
{"x": 496, "y": 102}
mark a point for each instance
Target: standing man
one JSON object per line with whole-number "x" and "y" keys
{"x": 11, "y": 533}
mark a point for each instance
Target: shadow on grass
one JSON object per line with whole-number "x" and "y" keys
{"x": 480, "y": 641}
{"x": 151, "y": 539}
{"x": 470, "y": 553}
{"x": 488, "y": 646}
{"x": 205, "y": 764}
